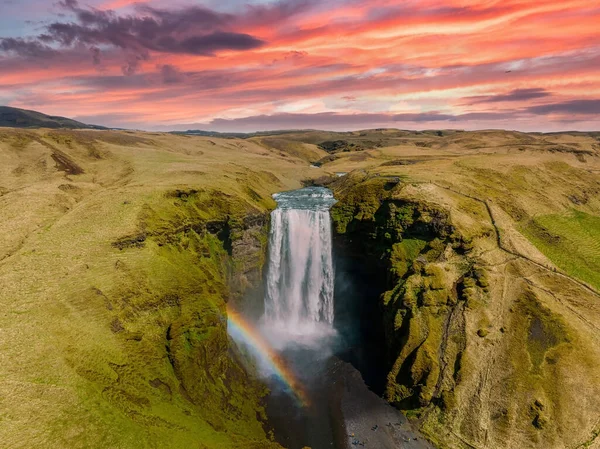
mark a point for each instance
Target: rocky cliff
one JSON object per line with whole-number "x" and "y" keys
{"x": 220, "y": 240}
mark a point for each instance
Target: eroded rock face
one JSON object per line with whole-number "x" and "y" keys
{"x": 249, "y": 239}
{"x": 479, "y": 341}
{"x": 424, "y": 294}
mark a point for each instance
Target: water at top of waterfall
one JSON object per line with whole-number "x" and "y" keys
{"x": 300, "y": 275}
{"x": 309, "y": 198}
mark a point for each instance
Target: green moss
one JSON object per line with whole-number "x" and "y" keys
{"x": 414, "y": 413}
{"x": 403, "y": 254}
{"x": 448, "y": 400}
{"x": 390, "y": 297}
{"x": 539, "y": 338}
{"x": 397, "y": 393}
{"x": 397, "y": 218}
{"x": 432, "y": 298}
{"x": 425, "y": 369}
{"x": 435, "y": 279}
{"x": 435, "y": 248}
{"x": 412, "y": 291}
{"x": 545, "y": 330}
{"x": 360, "y": 203}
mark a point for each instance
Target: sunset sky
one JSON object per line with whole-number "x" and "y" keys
{"x": 235, "y": 65}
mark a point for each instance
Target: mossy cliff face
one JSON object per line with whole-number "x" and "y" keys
{"x": 424, "y": 290}
{"x": 201, "y": 248}
{"x": 477, "y": 352}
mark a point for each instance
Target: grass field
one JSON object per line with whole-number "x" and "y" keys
{"x": 570, "y": 240}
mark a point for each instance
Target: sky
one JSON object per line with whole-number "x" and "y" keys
{"x": 235, "y": 65}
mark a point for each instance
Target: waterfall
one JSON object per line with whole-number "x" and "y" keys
{"x": 300, "y": 276}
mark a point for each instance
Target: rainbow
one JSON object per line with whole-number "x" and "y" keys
{"x": 238, "y": 327}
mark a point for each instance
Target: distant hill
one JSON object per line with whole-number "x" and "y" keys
{"x": 240, "y": 135}
{"x": 23, "y": 118}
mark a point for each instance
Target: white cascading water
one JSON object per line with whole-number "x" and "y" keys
{"x": 300, "y": 276}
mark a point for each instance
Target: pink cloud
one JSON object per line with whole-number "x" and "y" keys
{"x": 167, "y": 65}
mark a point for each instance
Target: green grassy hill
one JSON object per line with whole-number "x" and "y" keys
{"x": 23, "y": 118}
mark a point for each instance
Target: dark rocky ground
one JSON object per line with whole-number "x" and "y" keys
{"x": 344, "y": 413}
{"x": 367, "y": 420}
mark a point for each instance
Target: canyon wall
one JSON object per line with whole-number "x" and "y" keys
{"x": 485, "y": 348}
